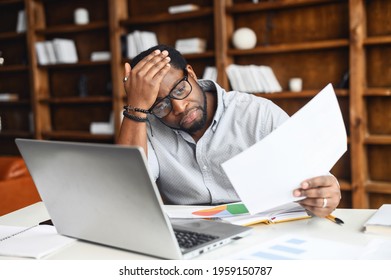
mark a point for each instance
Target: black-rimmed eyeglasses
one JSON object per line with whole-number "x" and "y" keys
{"x": 181, "y": 90}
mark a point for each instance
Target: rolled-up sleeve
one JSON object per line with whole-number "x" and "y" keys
{"x": 153, "y": 163}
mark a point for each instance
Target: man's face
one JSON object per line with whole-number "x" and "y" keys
{"x": 188, "y": 114}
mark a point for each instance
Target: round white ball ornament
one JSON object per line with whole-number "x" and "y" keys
{"x": 244, "y": 38}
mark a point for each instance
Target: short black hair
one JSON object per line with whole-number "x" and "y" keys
{"x": 177, "y": 60}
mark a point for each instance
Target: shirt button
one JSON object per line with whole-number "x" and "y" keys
{"x": 205, "y": 167}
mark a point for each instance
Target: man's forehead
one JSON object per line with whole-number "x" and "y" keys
{"x": 170, "y": 80}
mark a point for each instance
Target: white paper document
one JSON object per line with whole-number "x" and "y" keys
{"x": 306, "y": 145}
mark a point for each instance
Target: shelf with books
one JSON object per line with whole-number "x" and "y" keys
{"x": 15, "y": 92}
{"x": 283, "y": 35}
{"x": 71, "y": 96}
{"x": 171, "y": 27}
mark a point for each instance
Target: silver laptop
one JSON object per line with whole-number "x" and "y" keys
{"x": 104, "y": 193}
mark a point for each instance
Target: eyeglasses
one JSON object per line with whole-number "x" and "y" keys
{"x": 180, "y": 91}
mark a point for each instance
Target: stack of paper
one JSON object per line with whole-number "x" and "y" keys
{"x": 237, "y": 213}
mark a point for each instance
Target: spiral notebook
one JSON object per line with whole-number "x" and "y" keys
{"x": 31, "y": 242}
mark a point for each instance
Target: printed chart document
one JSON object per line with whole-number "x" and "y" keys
{"x": 306, "y": 145}
{"x": 237, "y": 213}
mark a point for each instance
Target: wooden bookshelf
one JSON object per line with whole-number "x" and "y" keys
{"x": 62, "y": 112}
{"x": 14, "y": 78}
{"x": 318, "y": 40}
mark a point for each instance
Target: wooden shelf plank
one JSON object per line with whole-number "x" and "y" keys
{"x": 77, "y": 135}
{"x": 377, "y": 40}
{"x": 72, "y": 28}
{"x": 15, "y": 134}
{"x": 80, "y": 64}
{"x": 167, "y": 17}
{"x": 377, "y": 92}
{"x": 12, "y": 35}
{"x": 378, "y": 140}
{"x": 8, "y": 2}
{"x": 77, "y": 100}
{"x": 378, "y": 187}
{"x": 265, "y": 6}
{"x": 21, "y": 102}
{"x": 294, "y": 47}
{"x": 301, "y": 94}
{"x": 13, "y": 68}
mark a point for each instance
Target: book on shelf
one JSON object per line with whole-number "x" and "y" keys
{"x": 380, "y": 222}
{"x": 56, "y": 51}
{"x": 65, "y": 50}
{"x": 49, "y": 51}
{"x": 210, "y": 73}
{"x": 182, "y": 8}
{"x": 21, "y": 24}
{"x": 253, "y": 78}
{"x": 42, "y": 56}
{"x": 139, "y": 41}
{"x": 190, "y": 45}
{"x": 4, "y": 96}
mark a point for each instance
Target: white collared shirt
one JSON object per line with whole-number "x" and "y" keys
{"x": 187, "y": 172}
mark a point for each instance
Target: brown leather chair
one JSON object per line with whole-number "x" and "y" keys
{"x": 17, "y": 188}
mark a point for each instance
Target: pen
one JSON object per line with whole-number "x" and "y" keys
{"x": 334, "y": 219}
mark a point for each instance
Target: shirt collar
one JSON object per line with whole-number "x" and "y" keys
{"x": 211, "y": 86}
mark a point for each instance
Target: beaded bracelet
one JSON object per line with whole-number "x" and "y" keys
{"x": 135, "y": 109}
{"x": 133, "y": 117}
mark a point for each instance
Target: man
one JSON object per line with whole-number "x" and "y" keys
{"x": 188, "y": 127}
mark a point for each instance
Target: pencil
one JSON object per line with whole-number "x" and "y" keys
{"x": 334, "y": 219}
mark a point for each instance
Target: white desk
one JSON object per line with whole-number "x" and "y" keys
{"x": 349, "y": 233}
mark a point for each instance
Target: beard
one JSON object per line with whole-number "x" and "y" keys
{"x": 197, "y": 125}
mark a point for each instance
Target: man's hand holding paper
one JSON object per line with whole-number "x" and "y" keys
{"x": 294, "y": 161}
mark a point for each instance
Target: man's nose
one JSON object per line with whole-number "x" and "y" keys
{"x": 178, "y": 106}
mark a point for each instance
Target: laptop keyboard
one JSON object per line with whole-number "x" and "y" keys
{"x": 187, "y": 239}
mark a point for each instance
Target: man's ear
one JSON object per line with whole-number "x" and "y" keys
{"x": 191, "y": 72}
